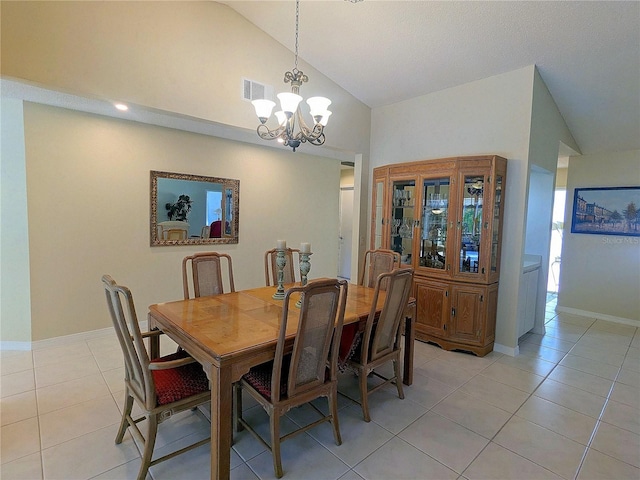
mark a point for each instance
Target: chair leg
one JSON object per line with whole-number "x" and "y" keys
{"x": 237, "y": 409}
{"x": 396, "y": 371}
{"x": 126, "y": 412}
{"x": 274, "y": 423}
{"x": 149, "y": 443}
{"x": 364, "y": 395}
{"x": 333, "y": 408}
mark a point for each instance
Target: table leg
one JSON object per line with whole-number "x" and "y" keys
{"x": 154, "y": 340}
{"x": 221, "y": 420}
{"x": 409, "y": 341}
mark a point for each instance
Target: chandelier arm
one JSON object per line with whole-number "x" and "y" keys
{"x": 310, "y": 134}
{"x": 266, "y": 133}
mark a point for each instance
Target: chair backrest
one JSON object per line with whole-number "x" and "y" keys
{"x": 136, "y": 359}
{"x": 206, "y": 274}
{"x": 382, "y": 339}
{"x": 176, "y": 234}
{"x": 290, "y": 269}
{"x": 173, "y": 230}
{"x": 377, "y": 262}
{"x": 317, "y": 339}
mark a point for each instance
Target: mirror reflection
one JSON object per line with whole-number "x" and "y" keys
{"x": 193, "y": 209}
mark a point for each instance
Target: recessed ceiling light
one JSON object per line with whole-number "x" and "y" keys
{"x": 122, "y": 107}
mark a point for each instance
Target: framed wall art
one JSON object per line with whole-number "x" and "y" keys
{"x": 606, "y": 211}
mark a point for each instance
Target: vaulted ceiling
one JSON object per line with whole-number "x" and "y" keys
{"x": 382, "y": 52}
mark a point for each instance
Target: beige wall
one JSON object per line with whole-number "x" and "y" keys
{"x": 187, "y": 57}
{"x": 183, "y": 57}
{"x": 600, "y": 274}
{"x": 88, "y": 199}
{"x": 561, "y": 177}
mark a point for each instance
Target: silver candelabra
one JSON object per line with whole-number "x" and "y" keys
{"x": 305, "y": 266}
{"x": 281, "y": 261}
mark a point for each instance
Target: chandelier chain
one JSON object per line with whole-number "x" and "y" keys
{"x": 292, "y": 129}
{"x": 296, "y": 47}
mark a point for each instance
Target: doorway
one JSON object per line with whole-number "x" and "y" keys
{"x": 555, "y": 248}
{"x": 346, "y": 232}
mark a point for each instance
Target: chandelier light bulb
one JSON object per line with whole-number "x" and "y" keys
{"x": 325, "y": 118}
{"x": 263, "y": 109}
{"x": 289, "y": 102}
{"x": 318, "y": 106}
{"x": 281, "y": 117}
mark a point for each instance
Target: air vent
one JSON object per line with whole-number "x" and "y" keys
{"x": 252, "y": 90}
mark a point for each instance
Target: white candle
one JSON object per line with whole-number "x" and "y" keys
{"x": 305, "y": 247}
{"x": 281, "y": 244}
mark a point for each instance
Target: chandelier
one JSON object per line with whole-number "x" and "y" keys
{"x": 289, "y": 117}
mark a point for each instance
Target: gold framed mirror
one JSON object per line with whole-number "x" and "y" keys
{"x": 193, "y": 209}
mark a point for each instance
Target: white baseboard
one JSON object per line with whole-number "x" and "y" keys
{"x": 63, "y": 340}
{"x": 599, "y": 316}
{"x": 512, "y": 352}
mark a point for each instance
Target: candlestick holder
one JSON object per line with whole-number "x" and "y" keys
{"x": 305, "y": 266}
{"x": 281, "y": 261}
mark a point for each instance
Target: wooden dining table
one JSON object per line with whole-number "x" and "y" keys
{"x": 232, "y": 332}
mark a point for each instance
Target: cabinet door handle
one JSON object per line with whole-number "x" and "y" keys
{"x": 453, "y": 312}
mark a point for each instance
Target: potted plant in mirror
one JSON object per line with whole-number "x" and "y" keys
{"x": 180, "y": 209}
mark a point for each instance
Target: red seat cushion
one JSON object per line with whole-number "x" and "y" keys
{"x": 259, "y": 378}
{"x": 175, "y": 384}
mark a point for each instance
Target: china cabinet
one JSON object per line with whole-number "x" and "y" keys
{"x": 444, "y": 217}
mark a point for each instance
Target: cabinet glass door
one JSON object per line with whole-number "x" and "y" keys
{"x": 471, "y": 224}
{"x": 402, "y": 218}
{"x": 435, "y": 217}
{"x": 378, "y": 213}
{"x": 495, "y": 233}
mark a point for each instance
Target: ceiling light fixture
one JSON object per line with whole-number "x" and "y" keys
{"x": 122, "y": 107}
{"x": 290, "y": 117}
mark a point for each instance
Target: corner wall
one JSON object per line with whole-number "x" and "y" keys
{"x": 15, "y": 300}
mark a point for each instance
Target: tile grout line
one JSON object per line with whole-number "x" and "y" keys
{"x": 491, "y": 440}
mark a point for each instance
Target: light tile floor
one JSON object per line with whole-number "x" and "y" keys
{"x": 567, "y": 407}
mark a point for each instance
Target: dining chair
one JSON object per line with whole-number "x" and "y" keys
{"x": 377, "y": 262}
{"x": 309, "y": 371}
{"x": 206, "y": 274}
{"x": 290, "y": 269}
{"x": 381, "y": 340}
{"x": 175, "y": 234}
{"x": 161, "y": 387}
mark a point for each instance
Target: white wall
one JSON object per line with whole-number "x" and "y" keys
{"x": 548, "y": 130}
{"x": 511, "y": 115}
{"x": 490, "y": 116}
{"x": 600, "y": 274}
